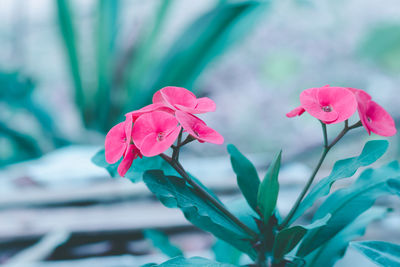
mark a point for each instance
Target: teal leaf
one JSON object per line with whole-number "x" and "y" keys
{"x": 336, "y": 247}
{"x": 192, "y": 262}
{"x": 288, "y": 238}
{"x": 206, "y": 38}
{"x": 174, "y": 192}
{"x": 226, "y": 253}
{"x": 372, "y": 151}
{"x": 68, "y": 35}
{"x": 269, "y": 189}
{"x": 241, "y": 209}
{"x": 161, "y": 241}
{"x": 247, "y": 177}
{"x": 383, "y": 253}
{"x": 139, "y": 166}
{"x": 346, "y": 204}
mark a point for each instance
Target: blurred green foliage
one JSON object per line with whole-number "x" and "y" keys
{"x": 127, "y": 79}
{"x": 381, "y": 45}
{"x": 127, "y": 72}
{"x": 17, "y": 143}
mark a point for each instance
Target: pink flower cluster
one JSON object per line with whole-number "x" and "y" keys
{"x": 337, "y": 104}
{"x": 151, "y": 130}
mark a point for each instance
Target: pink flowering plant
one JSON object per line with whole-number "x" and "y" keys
{"x": 145, "y": 147}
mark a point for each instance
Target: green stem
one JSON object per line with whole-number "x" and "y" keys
{"x": 178, "y": 167}
{"x": 327, "y": 147}
{"x": 305, "y": 189}
{"x": 175, "y": 153}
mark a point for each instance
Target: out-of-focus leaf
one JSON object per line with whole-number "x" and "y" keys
{"x": 16, "y": 91}
{"x": 68, "y": 36}
{"x": 382, "y": 46}
{"x": 207, "y": 37}
{"x": 247, "y": 177}
{"x": 161, "y": 241}
{"x": 372, "y": 151}
{"x": 288, "y": 238}
{"x": 241, "y": 209}
{"x": 269, "y": 189}
{"x": 139, "y": 166}
{"x": 226, "y": 253}
{"x": 336, "y": 247}
{"x": 191, "y": 262}
{"x": 383, "y": 253}
{"x": 106, "y": 30}
{"x": 26, "y": 145}
{"x": 145, "y": 54}
{"x": 346, "y": 204}
{"x": 174, "y": 192}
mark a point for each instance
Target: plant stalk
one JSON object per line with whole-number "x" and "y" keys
{"x": 325, "y": 151}
{"x": 178, "y": 167}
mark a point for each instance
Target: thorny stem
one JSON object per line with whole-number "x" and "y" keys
{"x": 325, "y": 151}
{"x": 200, "y": 190}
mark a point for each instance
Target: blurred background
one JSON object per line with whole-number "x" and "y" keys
{"x": 70, "y": 70}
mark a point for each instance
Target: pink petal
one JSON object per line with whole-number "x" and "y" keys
{"x": 157, "y": 97}
{"x": 153, "y": 122}
{"x": 295, "y": 112}
{"x": 115, "y": 143}
{"x": 203, "y": 105}
{"x": 131, "y": 153}
{"x": 363, "y": 100}
{"x": 362, "y": 97}
{"x": 128, "y": 127}
{"x": 198, "y": 129}
{"x": 174, "y": 96}
{"x": 340, "y": 99}
{"x": 379, "y": 121}
{"x": 149, "y": 108}
{"x": 152, "y": 146}
{"x": 310, "y": 102}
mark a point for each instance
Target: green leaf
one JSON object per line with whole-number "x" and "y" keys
{"x": 161, "y": 241}
{"x": 105, "y": 37}
{"x": 247, "y": 177}
{"x": 347, "y": 204}
{"x": 288, "y": 238}
{"x": 139, "y": 166}
{"x": 372, "y": 151}
{"x": 241, "y": 209}
{"x": 207, "y": 37}
{"x": 192, "y": 262}
{"x": 68, "y": 36}
{"x": 336, "y": 247}
{"x": 269, "y": 189}
{"x": 174, "y": 192}
{"x": 383, "y": 253}
{"x": 226, "y": 253}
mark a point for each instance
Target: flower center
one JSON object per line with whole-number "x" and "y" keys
{"x": 160, "y": 136}
{"x": 327, "y": 108}
{"x": 369, "y": 119}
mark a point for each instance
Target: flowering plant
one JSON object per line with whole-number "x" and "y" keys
{"x": 136, "y": 149}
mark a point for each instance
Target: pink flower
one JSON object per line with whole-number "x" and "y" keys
{"x": 373, "y": 117}
{"x": 178, "y": 98}
{"x": 328, "y": 104}
{"x": 198, "y": 128}
{"x": 118, "y": 144}
{"x": 295, "y": 112}
{"x": 154, "y": 132}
